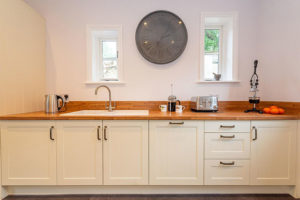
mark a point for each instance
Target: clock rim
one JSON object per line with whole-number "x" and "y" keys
{"x": 181, "y": 50}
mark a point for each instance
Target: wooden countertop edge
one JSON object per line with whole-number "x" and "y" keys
{"x": 156, "y": 115}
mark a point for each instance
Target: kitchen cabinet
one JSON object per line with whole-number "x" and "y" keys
{"x": 273, "y": 152}
{"x": 28, "y": 153}
{"x": 227, "y": 145}
{"x": 227, "y": 153}
{"x": 125, "y": 151}
{"x": 227, "y": 172}
{"x": 176, "y": 152}
{"x": 79, "y": 152}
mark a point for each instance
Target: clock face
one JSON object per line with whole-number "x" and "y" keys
{"x": 161, "y": 37}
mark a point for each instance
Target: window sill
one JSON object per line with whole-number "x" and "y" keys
{"x": 105, "y": 83}
{"x": 216, "y": 82}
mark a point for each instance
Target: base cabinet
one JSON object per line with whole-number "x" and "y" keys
{"x": 118, "y": 152}
{"x": 227, "y": 172}
{"x": 273, "y": 152}
{"x": 125, "y": 152}
{"x": 28, "y": 153}
{"x": 176, "y": 152}
{"x": 79, "y": 155}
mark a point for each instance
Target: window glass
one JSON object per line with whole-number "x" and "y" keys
{"x": 109, "y": 60}
{"x": 211, "y": 53}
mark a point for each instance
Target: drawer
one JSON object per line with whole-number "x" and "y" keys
{"x": 227, "y": 145}
{"x": 227, "y": 172}
{"x": 227, "y": 126}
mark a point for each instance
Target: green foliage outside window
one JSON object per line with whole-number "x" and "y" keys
{"x": 211, "y": 40}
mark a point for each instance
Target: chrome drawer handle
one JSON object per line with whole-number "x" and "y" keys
{"x": 176, "y": 123}
{"x": 98, "y": 132}
{"x": 223, "y": 126}
{"x": 51, "y": 133}
{"x": 105, "y": 129}
{"x": 227, "y": 164}
{"x": 255, "y": 133}
{"x": 227, "y": 137}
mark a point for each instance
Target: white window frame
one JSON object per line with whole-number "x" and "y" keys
{"x": 94, "y": 54}
{"x": 232, "y": 69}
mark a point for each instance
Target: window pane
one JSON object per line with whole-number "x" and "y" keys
{"x": 212, "y": 37}
{"x": 110, "y": 69}
{"x": 211, "y": 65}
{"x": 109, "y": 58}
{"x": 212, "y": 48}
{"x": 109, "y": 49}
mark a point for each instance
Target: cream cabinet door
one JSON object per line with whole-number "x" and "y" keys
{"x": 79, "y": 152}
{"x": 28, "y": 153}
{"x": 176, "y": 152}
{"x": 125, "y": 152}
{"x": 273, "y": 152}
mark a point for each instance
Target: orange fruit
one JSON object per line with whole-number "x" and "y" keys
{"x": 267, "y": 110}
{"x": 274, "y": 111}
{"x": 273, "y": 107}
{"x": 281, "y": 110}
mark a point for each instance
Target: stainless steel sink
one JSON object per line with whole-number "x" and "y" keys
{"x": 107, "y": 113}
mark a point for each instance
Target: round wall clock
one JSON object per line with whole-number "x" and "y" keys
{"x": 161, "y": 37}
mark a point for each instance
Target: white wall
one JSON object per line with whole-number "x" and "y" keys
{"x": 66, "y": 51}
{"x": 22, "y": 58}
{"x": 279, "y": 49}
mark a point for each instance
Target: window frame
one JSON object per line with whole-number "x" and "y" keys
{"x": 232, "y": 70}
{"x": 94, "y": 58}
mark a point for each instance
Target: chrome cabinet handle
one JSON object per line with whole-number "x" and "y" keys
{"x": 51, "y": 134}
{"x": 227, "y": 164}
{"x": 227, "y": 137}
{"x": 255, "y": 133}
{"x": 223, "y": 126}
{"x": 176, "y": 123}
{"x": 105, "y": 128}
{"x": 98, "y": 132}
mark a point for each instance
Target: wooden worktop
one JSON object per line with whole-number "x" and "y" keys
{"x": 227, "y": 111}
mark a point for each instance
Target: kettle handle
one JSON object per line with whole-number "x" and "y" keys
{"x": 63, "y": 102}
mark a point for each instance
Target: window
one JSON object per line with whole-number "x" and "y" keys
{"x": 218, "y": 53}
{"x": 104, "y": 54}
{"x": 108, "y": 60}
{"x": 212, "y": 50}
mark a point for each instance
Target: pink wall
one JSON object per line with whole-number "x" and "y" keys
{"x": 66, "y": 52}
{"x": 279, "y": 49}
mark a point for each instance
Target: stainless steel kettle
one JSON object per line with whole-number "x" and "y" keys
{"x": 52, "y": 104}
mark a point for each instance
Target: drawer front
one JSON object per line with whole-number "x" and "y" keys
{"x": 227, "y": 145}
{"x": 227, "y": 172}
{"x": 227, "y": 126}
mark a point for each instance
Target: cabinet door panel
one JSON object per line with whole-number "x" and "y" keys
{"x": 28, "y": 153}
{"x": 223, "y": 126}
{"x": 227, "y": 145}
{"x": 273, "y": 153}
{"x": 126, "y": 153}
{"x": 217, "y": 173}
{"x": 176, "y": 153}
{"x": 79, "y": 152}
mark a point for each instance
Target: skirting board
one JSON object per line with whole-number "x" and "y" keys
{"x": 56, "y": 190}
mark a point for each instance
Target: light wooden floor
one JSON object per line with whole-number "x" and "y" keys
{"x": 154, "y": 197}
